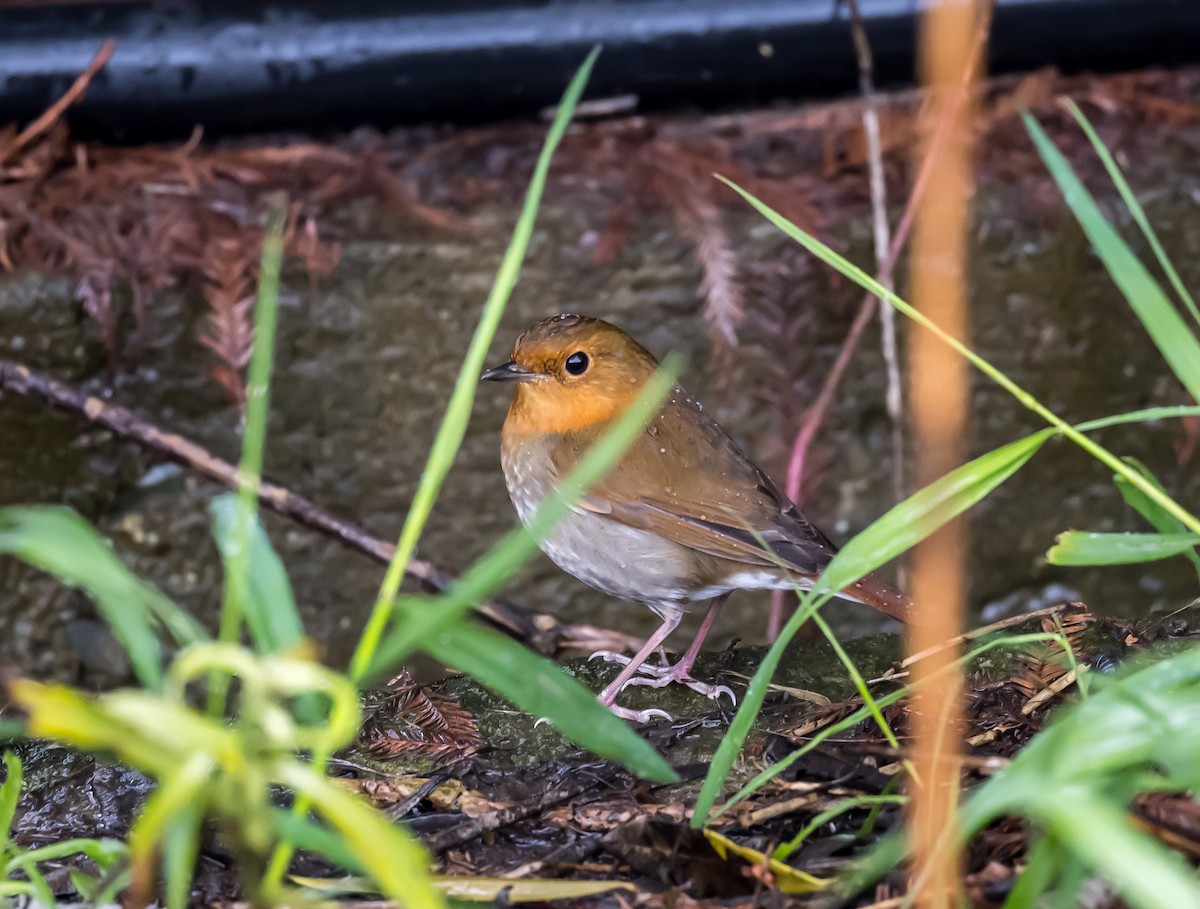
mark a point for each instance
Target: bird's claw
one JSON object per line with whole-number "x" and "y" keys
{"x": 640, "y": 716}
{"x": 712, "y": 692}
{"x": 610, "y": 656}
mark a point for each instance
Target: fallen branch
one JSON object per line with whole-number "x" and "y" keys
{"x": 541, "y": 631}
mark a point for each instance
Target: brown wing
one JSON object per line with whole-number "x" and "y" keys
{"x": 687, "y": 481}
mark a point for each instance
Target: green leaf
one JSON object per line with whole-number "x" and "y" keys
{"x": 1160, "y": 519}
{"x": 784, "y": 850}
{"x": 389, "y": 854}
{"x": 1171, "y": 334}
{"x": 1135, "y": 209}
{"x": 270, "y": 607}
{"x": 902, "y": 527}
{"x": 922, "y": 513}
{"x": 1074, "y": 779}
{"x": 1080, "y": 547}
{"x": 865, "y": 281}
{"x": 541, "y": 688}
{"x": 180, "y": 848}
{"x": 258, "y": 389}
{"x": 480, "y": 889}
{"x": 308, "y": 835}
{"x": 1144, "y": 872}
{"x": 731, "y": 743}
{"x": 458, "y": 410}
{"x": 60, "y": 542}
{"x": 10, "y": 794}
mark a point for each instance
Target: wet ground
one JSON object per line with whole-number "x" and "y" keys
{"x": 497, "y": 795}
{"x": 366, "y": 358}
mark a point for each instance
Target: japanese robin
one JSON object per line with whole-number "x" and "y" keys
{"x": 684, "y": 515}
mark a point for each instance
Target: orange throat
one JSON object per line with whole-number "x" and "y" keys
{"x": 539, "y": 410}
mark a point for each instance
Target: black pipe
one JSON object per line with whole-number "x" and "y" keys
{"x": 235, "y": 66}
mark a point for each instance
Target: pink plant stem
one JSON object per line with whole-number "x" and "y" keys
{"x": 815, "y": 415}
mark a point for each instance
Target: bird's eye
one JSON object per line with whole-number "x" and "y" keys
{"x": 577, "y": 363}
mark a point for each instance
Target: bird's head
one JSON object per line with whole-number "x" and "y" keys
{"x": 572, "y": 372}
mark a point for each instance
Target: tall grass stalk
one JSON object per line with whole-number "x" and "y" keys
{"x": 258, "y": 386}
{"x": 454, "y": 422}
{"x": 889, "y": 536}
{"x": 1075, "y": 779}
{"x": 1026, "y": 399}
{"x": 866, "y": 713}
{"x": 1135, "y": 210}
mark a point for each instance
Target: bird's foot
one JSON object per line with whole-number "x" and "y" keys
{"x": 662, "y": 676}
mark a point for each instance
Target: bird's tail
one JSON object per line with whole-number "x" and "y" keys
{"x": 884, "y": 597}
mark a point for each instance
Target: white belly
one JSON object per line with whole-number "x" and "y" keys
{"x": 621, "y": 561}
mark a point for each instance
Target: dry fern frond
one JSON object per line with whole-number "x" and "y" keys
{"x": 407, "y": 719}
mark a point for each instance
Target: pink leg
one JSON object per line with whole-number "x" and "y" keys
{"x": 688, "y": 660}
{"x": 775, "y": 616}
{"x": 608, "y": 696}
{"x": 681, "y": 672}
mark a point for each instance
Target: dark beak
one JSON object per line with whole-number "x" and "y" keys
{"x": 508, "y": 372}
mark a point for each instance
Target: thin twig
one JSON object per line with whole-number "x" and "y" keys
{"x": 815, "y": 416}
{"x": 987, "y": 629}
{"x": 542, "y": 631}
{"x": 879, "y": 221}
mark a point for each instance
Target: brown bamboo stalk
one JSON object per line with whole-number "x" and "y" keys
{"x": 938, "y": 395}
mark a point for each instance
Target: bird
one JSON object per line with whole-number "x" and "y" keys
{"x": 684, "y": 517}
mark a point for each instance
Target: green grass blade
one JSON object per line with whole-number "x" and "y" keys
{"x": 1159, "y": 519}
{"x": 310, "y": 836}
{"x": 10, "y": 794}
{"x": 1079, "y": 547}
{"x": 1145, "y": 873}
{"x": 920, "y": 514}
{"x": 1135, "y": 209}
{"x": 865, "y": 281}
{"x": 1158, "y": 315}
{"x": 907, "y": 523}
{"x": 60, "y": 542}
{"x": 731, "y": 743}
{"x": 458, "y": 411}
{"x": 1135, "y": 499}
{"x": 174, "y": 804}
{"x": 1146, "y": 415}
{"x": 540, "y": 688}
{"x": 863, "y": 713}
{"x": 783, "y": 851}
{"x": 860, "y": 684}
{"x": 389, "y": 854}
{"x": 258, "y": 384}
{"x": 180, "y": 848}
{"x": 269, "y": 605}
{"x": 421, "y": 618}
{"x": 1044, "y": 861}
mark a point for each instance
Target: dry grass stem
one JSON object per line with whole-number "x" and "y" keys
{"x": 938, "y": 398}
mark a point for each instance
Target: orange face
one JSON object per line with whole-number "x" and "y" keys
{"x": 572, "y": 372}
